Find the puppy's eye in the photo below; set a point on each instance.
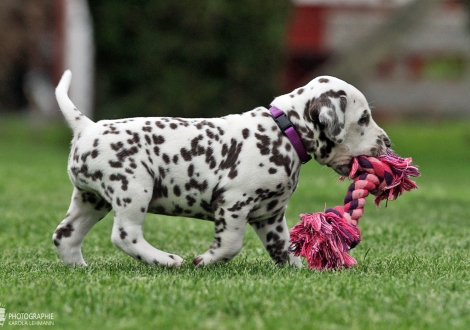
(364, 120)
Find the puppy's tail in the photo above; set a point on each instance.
(76, 120)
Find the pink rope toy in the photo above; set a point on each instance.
(324, 238)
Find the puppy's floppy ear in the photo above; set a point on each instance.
(331, 107)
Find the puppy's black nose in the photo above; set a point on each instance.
(387, 142)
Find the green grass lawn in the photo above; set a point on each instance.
(413, 272)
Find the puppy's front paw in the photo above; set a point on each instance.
(295, 261)
(198, 261)
(206, 259)
(171, 260)
(209, 258)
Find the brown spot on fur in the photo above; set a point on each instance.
(64, 231)
(123, 233)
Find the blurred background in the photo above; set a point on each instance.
(209, 58)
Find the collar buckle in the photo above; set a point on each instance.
(288, 129)
(283, 122)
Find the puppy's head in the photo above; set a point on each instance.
(335, 122)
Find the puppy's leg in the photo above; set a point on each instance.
(128, 236)
(86, 209)
(274, 235)
(228, 239)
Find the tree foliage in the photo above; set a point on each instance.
(187, 58)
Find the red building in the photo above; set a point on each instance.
(399, 66)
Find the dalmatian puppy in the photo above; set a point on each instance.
(235, 170)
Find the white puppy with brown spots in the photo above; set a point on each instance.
(234, 170)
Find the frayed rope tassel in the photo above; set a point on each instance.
(324, 238)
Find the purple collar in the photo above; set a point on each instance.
(288, 128)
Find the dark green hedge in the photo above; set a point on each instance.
(191, 58)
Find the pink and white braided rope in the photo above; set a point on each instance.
(324, 238)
